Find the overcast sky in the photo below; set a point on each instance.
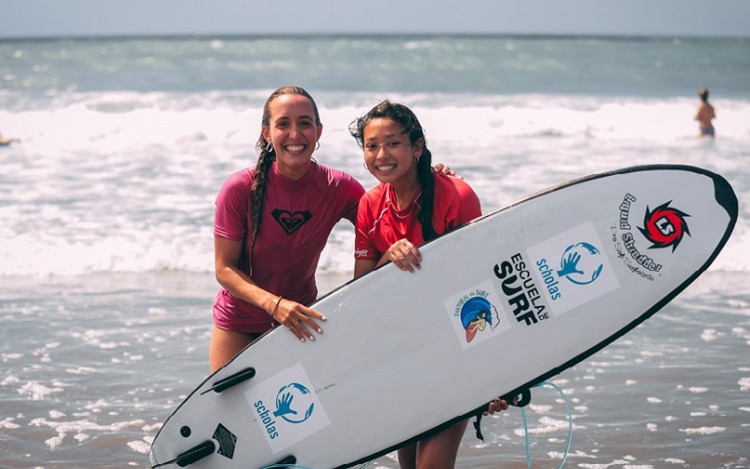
(54, 18)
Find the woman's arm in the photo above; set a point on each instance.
(362, 266)
(227, 254)
(296, 316)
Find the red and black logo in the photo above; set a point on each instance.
(665, 226)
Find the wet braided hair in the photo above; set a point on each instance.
(266, 157)
(411, 127)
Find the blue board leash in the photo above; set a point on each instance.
(570, 425)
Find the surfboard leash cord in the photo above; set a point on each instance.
(570, 425)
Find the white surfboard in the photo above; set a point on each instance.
(538, 286)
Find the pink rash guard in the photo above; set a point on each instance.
(298, 216)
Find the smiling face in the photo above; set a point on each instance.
(389, 155)
(293, 131)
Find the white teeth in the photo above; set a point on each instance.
(295, 147)
(386, 168)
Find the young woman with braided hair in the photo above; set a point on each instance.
(410, 206)
(270, 226)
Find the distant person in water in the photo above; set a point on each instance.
(7, 141)
(705, 115)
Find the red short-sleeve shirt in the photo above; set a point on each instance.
(380, 223)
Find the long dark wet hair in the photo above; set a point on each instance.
(266, 157)
(410, 126)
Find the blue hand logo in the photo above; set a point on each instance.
(570, 264)
(581, 263)
(285, 405)
(294, 403)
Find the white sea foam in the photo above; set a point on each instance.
(703, 430)
(9, 424)
(709, 335)
(139, 446)
(96, 160)
(63, 428)
(37, 391)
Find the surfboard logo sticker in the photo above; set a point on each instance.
(291, 400)
(665, 226)
(285, 408)
(572, 268)
(520, 290)
(581, 263)
(475, 316)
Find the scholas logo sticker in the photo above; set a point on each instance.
(572, 268)
(285, 408)
(265, 416)
(581, 263)
(294, 403)
(664, 226)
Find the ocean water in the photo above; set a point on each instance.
(106, 205)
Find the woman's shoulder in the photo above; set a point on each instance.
(452, 191)
(337, 177)
(332, 173)
(452, 183)
(241, 177)
(373, 197)
(377, 192)
(240, 181)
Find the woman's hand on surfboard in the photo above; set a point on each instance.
(298, 318)
(404, 255)
(496, 405)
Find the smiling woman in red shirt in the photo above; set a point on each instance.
(411, 205)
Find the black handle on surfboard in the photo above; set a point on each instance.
(197, 453)
(231, 380)
(192, 455)
(522, 398)
(286, 462)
